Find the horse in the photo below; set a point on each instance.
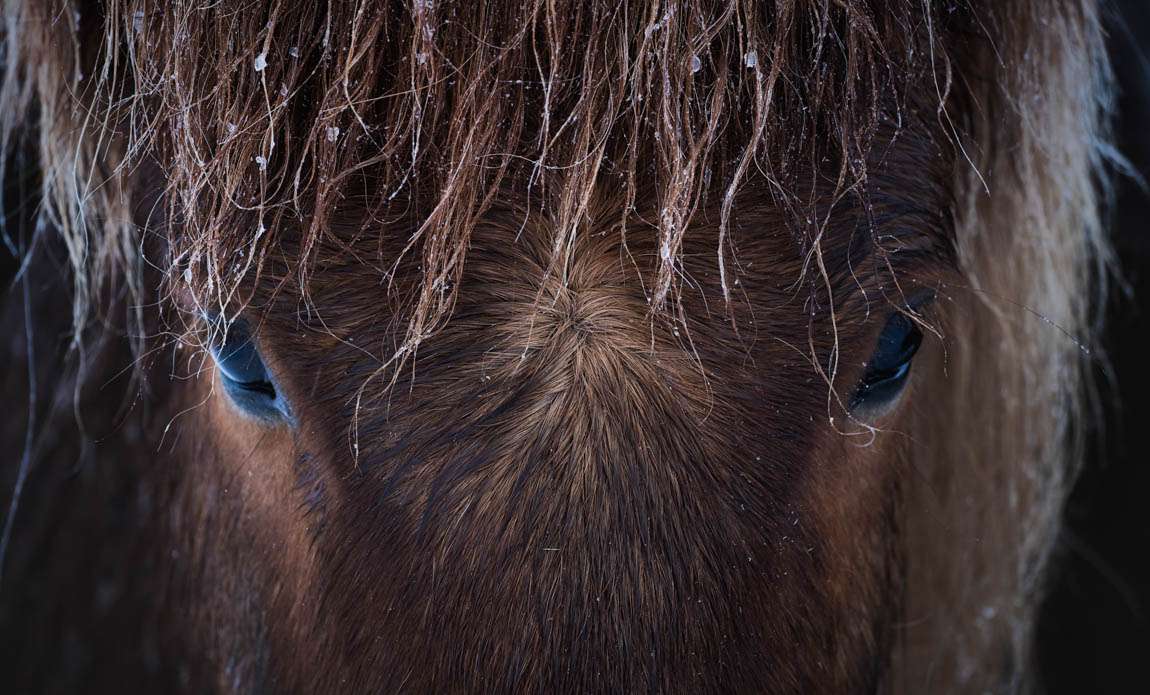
(543, 346)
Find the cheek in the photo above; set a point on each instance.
(853, 485)
(242, 526)
(853, 493)
(257, 457)
(269, 494)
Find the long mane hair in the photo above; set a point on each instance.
(257, 121)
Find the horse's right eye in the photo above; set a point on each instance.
(244, 375)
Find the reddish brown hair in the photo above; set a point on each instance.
(538, 152)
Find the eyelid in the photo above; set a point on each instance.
(917, 303)
(240, 361)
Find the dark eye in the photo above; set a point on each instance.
(888, 368)
(244, 376)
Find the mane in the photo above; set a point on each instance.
(273, 128)
(265, 125)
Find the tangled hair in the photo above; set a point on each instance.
(277, 129)
(265, 126)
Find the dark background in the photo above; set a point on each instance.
(1094, 630)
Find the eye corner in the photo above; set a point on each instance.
(267, 406)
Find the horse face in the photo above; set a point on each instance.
(545, 347)
(562, 489)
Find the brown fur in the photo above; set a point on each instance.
(568, 298)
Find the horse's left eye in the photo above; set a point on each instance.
(245, 377)
(888, 368)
